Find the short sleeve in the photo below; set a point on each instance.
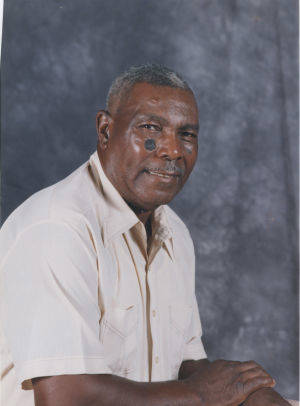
(193, 348)
(50, 308)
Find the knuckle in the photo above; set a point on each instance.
(241, 377)
(257, 370)
(231, 364)
(252, 363)
(240, 387)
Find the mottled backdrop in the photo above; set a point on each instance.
(240, 56)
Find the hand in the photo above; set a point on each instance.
(227, 383)
(265, 397)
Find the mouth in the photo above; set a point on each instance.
(163, 174)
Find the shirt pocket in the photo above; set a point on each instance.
(180, 315)
(118, 334)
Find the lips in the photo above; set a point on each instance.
(163, 174)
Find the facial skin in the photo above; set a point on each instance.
(146, 179)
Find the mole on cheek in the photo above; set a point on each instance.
(150, 144)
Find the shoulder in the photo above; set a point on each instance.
(180, 231)
(175, 222)
(61, 203)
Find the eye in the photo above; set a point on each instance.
(188, 136)
(151, 127)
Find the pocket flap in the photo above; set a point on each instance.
(122, 320)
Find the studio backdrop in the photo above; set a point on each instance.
(240, 57)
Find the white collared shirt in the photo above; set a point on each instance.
(81, 295)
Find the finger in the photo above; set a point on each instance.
(254, 384)
(244, 366)
(253, 373)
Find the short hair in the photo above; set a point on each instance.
(154, 74)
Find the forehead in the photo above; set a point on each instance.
(146, 98)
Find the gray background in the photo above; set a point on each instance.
(240, 56)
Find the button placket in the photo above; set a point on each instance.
(154, 322)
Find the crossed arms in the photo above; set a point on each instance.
(200, 383)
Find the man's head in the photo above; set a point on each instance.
(147, 137)
(156, 75)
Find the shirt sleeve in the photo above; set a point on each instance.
(193, 348)
(50, 305)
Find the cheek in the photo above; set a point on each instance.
(190, 148)
(136, 145)
(190, 158)
(133, 157)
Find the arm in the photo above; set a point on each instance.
(267, 397)
(219, 383)
(109, 390)
(188, 367)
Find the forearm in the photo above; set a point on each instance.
(267, 396)
(111, 390)
(130, 393)
(211, 384)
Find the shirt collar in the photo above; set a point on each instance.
(162, 231)
(118, 217)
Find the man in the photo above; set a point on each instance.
(99, 303)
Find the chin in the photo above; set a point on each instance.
(153, 203)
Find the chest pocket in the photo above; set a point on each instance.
(180, 315)
(118, 334)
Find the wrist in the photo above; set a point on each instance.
(192, 394)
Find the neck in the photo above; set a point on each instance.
(145, 217)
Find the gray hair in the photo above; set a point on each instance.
(150, 73)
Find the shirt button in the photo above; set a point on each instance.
(157, 360)
(153, 313)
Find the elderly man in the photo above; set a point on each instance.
(98, 295)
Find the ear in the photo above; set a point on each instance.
(103, 121)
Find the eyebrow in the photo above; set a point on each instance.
(162, 120)
(194, 127)
(154, 118)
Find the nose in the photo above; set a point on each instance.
(169, 147)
